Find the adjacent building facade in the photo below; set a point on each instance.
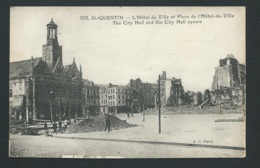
(116, 98)
(92, 98)
(103, 92)
(147, 92)
(149, 95)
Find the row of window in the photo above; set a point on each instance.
(119, 97)
(118, 90)
(111, 97)
(112, 103)
(93, 102)
(92, 93)
(103, 101)
(103, 96)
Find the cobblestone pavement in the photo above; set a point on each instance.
(199, 130)
(46, 147)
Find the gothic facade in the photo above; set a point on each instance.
(43, 88)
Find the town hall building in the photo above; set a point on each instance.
(43, 88)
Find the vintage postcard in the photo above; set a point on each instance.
(127, 82)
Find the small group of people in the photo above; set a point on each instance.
(55, 126)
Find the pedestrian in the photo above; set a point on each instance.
(108, 124)
(65, 124)
(46, 128)
(55, 127)
(60, 125)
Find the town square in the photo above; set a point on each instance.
(92, 87)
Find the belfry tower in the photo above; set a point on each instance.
(52, 51)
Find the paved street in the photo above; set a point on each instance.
(175, 129)
(41, 146)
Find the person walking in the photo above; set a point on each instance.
(65, 124)
(55, 127)
(60, 125)
(108, 124)
(46, 128)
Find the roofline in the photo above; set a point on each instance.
(27, 60)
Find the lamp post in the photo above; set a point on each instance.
(51, 93)
(159, 104)
(143, 100)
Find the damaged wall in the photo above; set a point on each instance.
(229, 73)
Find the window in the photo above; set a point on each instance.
(118, 102)
(119, 96)
(113, 96)
(123, 96)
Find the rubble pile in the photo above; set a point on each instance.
(189, 109)
(97, 123)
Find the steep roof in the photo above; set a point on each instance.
(20, 69)
(230, 56)
(67, 68)
(72, 70)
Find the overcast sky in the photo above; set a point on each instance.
(115, 54)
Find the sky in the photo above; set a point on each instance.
(115, 54)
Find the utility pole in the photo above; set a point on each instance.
(143, 114)
(159, 104)
(143, 97)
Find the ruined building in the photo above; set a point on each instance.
(229, 74)
(42, 88)
(171, 90)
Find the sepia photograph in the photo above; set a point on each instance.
(127, 82)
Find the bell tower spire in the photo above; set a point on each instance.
(52, 37)
(52, 51)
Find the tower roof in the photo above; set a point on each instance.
(52, 23)
(230, 56)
